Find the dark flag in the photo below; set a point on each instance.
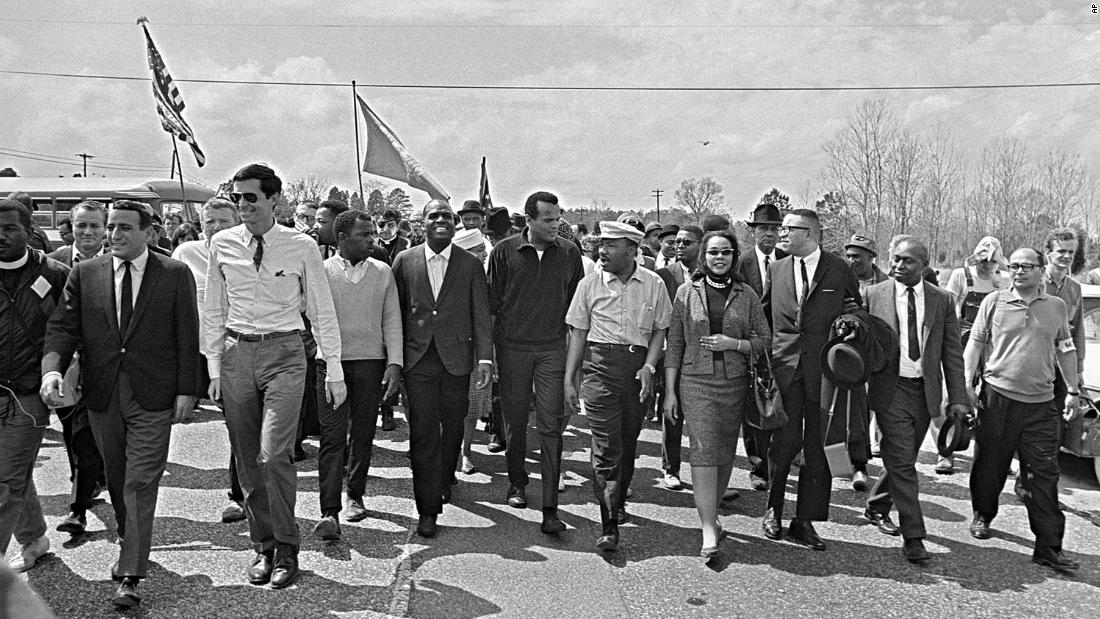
(169, 102)
(387, 156)
(483, 189)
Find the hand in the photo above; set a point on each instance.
(718, 342)
(52, 391)
(671, 408)
(961, 410)
(850, 305)
(214, 391)
(185, 405)
(335, 393)
(391, 380)
(972, 394)
(1073, 408)
(484, 375)
(644, 376)
(572, 394)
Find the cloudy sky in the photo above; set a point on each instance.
(584, 145)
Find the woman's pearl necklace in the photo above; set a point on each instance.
(715, 284)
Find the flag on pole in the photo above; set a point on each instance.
(483, 189)
(169, 102)
(387, 156)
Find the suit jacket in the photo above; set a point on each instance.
(458, 320)
(673, 277)
(749, 268)
(799, 333)
(941, 358)
(160, 349)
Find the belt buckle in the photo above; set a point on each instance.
(630, 348)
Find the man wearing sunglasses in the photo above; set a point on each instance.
(260, 277)
(1023, 335)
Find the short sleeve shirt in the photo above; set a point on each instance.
(616, 313)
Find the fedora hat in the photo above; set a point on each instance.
(766, 215)
(843, 365)
(955, 435)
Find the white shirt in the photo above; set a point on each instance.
(137, 273)
(354, 272)
(908, 368)
(811, 268)
(760, 256)
(437, 266)
(661, 262)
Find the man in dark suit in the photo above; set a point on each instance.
(924, 318)
(445, 306)
(753, 268)
(140, 371)
(806, 292)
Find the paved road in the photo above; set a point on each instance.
(492, 560)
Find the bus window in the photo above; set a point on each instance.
(64, 205)
(43, 213)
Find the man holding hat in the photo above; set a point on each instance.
(667, 240)
(861, 253)
(619, 316)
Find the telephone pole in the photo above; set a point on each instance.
(85, 157)
(657, 194)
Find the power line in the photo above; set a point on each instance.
(901, 87)
(63, 159)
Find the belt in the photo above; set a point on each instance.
(259, 337)
(911, 380)
(630, 348)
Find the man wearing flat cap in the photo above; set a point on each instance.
(619, 316)
(861, 252)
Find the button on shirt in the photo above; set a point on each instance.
(437, 266)
(290, 279)
(137, 272)
(907, 367)
(616, 313)
(811, 268)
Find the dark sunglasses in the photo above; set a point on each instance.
(720, 252)
(248, 197)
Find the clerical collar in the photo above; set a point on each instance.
(15, 264)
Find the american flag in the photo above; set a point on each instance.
(169, 102)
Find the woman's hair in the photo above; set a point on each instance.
(702, 262)
(185, 232)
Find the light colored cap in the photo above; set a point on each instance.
(989, 248)
(863, 242)
(616, 230)
(469, 239)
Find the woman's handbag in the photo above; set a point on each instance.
(768, 414)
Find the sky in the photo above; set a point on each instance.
(582, 145)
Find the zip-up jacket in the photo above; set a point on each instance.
(23, 316)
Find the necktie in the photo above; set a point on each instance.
(126, 300)
(914, 338)
(258, 256)
(805, 282)
(767, 261)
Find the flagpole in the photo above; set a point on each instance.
(358, 165)
(179, 167)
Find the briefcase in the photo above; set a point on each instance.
(836, 454)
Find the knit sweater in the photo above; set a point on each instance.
(368, 311)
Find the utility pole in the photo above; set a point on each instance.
(657, 194)
(85, 157)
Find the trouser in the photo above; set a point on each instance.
(615, 416)
(903, 426)
(236, 494)
(803, 432)
(1032, 430)
(85, 461)
(519, 371)
(757, 441)
(347, 432)
(672, 434)
(134, 444)
(20, 439)
(437, 405)
(262, 384)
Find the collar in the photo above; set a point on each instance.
(16, 264)
(918, 288)
(137, 264)
(446, 253)
(761, 255)
(525, 242)
(812, 258)
(344, 262)
(1013, 295)
(77, 256)
(608, 275)
(276, 228)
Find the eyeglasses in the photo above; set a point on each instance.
(684, 242)
(248, 197)
(720, 252)
(1023, 267)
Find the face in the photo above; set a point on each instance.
(719, 255)
(417, 226)
(439, 222)
(766, 236)
(687, 247)
(387, 230)
(171, 224)
(305, 215)
(258, 212)
(652, 241)
(1061, 253)
(668, 246)
(592, 248)
(1023, 266)
(617, 255)
(908, 263)
(66, 232)
(472, 221)
(544, 227)
(357, 244)
(479, 252)
(799, 234)
(325, 219)
(127, 239)
(13, 237)
(215, 220)
(88, 231)
(860, 260)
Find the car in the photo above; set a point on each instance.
(1082, 437)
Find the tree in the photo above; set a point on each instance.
(700, 196)
(375, 202)
(777, 199)
(8, 172)
(399, 201)
(338, 194)
(356, 201)
(312, 188)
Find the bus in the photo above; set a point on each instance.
(54, 197)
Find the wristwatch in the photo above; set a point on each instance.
(649, 366)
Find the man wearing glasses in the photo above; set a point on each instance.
(1023, 336)
(305, 216)
(260, 277)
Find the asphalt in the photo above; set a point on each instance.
(491, 560)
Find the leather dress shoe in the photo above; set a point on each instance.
(426, 527)
(802, 531)
(773, 527)
(328, 529)
(260, 572)
(234, 512)
(73, 524)
(126, 596)
(285, 571)
(517, 498)
(496, 444)
(859, 481)
(1055, 559)
(551, 524)
(914, 552)
(356, 511)
(709, 552)
(609, 541)
(979, 528)
(882, 521)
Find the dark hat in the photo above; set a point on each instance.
(766, 215)
(498, 221)
(471, 206)
(519, 220)
(652, 227)
(390, 215)
(670, 229)
(843, 365)
(955, 434)
(863, 242)
(715, 222)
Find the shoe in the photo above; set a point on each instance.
(328, 529)
(772, 525)
(802, 531)
(285, 571)
(388, 424)
(356, 511)
(758, 483)
(608, 541)
(426, 527)
(882, 521)
(945, 465)
(621, 516)
(731, 494)
(126, 596)
(914, 552)
(448, 490)
(496, 444)
(859, 481)
(73, 524)
(30, 554)
(551, 524)
(115, 576)
(260, 572)
(1055, 560)
(979, 528)
(672, 482)
(517, 498)
(467, 467)
(709, 552)
(234, 512)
